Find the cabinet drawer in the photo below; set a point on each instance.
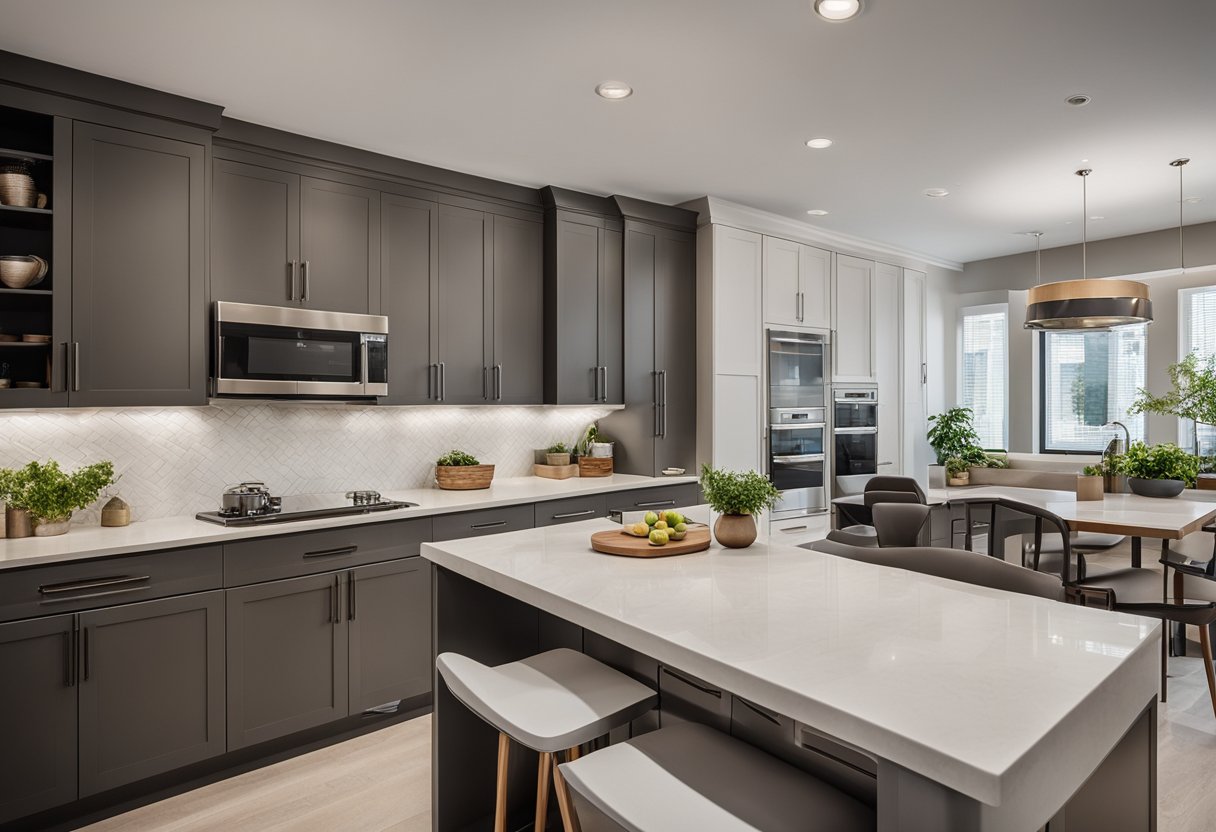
(485, 521)
(797, 531)
(80, 585)
(571, 510)
(658, 498)
(291, 555)
(683, 697)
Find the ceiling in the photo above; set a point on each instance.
(966, 95)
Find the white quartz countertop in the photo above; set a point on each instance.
(1008, 699)
(176, 532)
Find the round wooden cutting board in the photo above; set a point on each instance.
(617, 542)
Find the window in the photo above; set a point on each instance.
(984, 370)
(1089, 379)
(1197, 333)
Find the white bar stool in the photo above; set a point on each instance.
(689, 776)
(551, 702)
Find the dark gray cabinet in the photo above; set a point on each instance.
(286, 657)
(138, 316)
(657, 429)
(464, 253)
(584, 350)
(280, 238)
(409, 296)
(484, 521)
(571, 509)
(516, 360)
(151, 688)
(389, 613)
(37, 715)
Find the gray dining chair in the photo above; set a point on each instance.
(895, 524)
(885, 488)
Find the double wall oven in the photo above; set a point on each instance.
(797, 431)
(855, 437)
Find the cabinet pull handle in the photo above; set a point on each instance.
(68, 679)
(431, 371)
(333, 601)
(67, 364)
(304, 281)
(350, 597)
(88, 654)
(484, 371)
(662, 402)
(655, 503)
(568, 514)
(792, 529)
(657, 402)
(798, 306)
(493, 525)
(443, 381)
(77, 586)
(603, 384)
(758, 711)
(75, 366)
(330, 553)
(292, 268)
(595, 384)
(681, 677)
(497, 382)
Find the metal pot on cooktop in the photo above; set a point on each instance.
(248, 499)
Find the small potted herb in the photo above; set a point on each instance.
(558, 454)
(49, 495)
(1090, 482)
(459, 471)
(737, 497)
(594, 453)
(958, 471)
(1160, 470)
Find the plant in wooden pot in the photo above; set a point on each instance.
(950, 435)
(1090, 482)
(558, 454)
(1158, 471)
(594, 453)
(737, 497)
(459, 471)
(50, 495)
(958, 471)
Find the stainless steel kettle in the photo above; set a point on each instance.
(246, 499)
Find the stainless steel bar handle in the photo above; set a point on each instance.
(88, 654)
(75, 366)
(304, 280)
(363, 361)
(782, 459)
(98, 583)
(798, 306)
(595, 384)
(484, 371)
(498, 382)
(443, 381)
(69, 679)
(657, 402)
(568, 514)
(292, 268)
(333, 601)
(350, 596)
(663, 401)
(67, 364)
(495, 525)
(855, 430)
(430, 381)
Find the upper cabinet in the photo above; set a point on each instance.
(138, 315)
(409, 296)
(887, 323)
(279, 238)
(516, 348)
(583, 299)
(852, 320)
(797, 284)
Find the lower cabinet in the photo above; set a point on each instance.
(151, 688)
(37, 716)
(311, 650)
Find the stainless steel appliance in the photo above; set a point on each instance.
(798, 463)
(286, 352)
(250, 504)
(855, 438)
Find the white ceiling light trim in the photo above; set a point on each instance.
(819, 143)
(936, 193)
(837, 10)
(817, 212)
(613, 90)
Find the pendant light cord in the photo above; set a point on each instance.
(1178, 163)
(1084, 174)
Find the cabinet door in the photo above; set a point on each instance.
(576, 351)
(37, 716)
(519, 334)
(255, 234)
(389, 610)
(853, 347)
(636, 428)
(464, 246)
(888, 281)
(339, 246)
(138, 317)
(409, 295)
(287, 657)
(916, 452)
(152, 688)
(780, 276)
(815, 284)
(610, 318)
(675, 350)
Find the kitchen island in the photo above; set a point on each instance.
(970, 708)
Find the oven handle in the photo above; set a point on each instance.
(785, 459)
(363, 362)
(803, 426)
(856, 430)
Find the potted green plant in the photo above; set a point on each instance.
(1192, 395)
(460, 471)
(594, 453)
(558, 454)
(50, 495)
(958, 471)
(951, 434)
(1158, 471)
(1090, 483)
(737, 497)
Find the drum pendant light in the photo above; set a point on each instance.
(1087, 304)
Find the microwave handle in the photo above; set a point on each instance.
(363, 362)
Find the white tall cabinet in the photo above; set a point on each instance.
(886, 323)
(797, 282)
(852, 321)
(914, 377)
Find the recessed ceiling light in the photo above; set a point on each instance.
(614, 90)
(1193, 200)
(817, 212)
(837, 10)
(1078, 100)
(819, 143)
(936, 192)
(1097, 218)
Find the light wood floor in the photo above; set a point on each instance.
(382, 781)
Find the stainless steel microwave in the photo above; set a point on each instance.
(293, 353)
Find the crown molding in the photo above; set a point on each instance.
(716, 211)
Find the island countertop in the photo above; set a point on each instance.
(1007, 699)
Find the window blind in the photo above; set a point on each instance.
(983, 372)
(1198, 335)
(1089, 379)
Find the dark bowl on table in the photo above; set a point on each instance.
(1155, 488)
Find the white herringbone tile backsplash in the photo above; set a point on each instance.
(178, 460)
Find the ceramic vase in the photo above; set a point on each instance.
(48, 528)
(735, 531)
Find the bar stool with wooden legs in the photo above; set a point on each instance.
(552, 702)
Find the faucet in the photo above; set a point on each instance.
(1114, 443)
